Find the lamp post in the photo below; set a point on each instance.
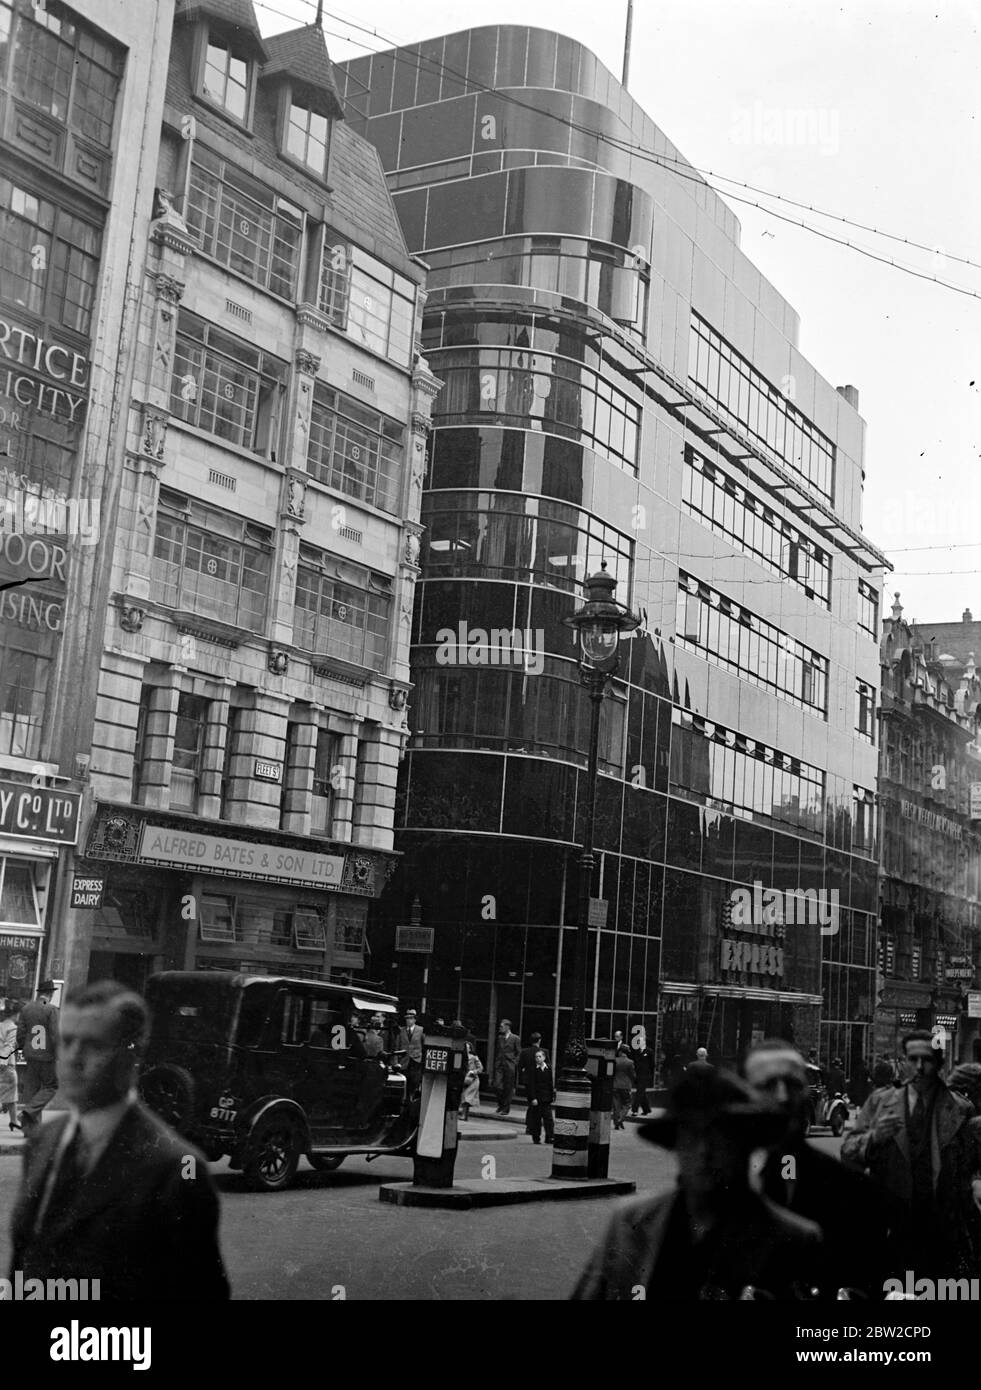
(599, 623)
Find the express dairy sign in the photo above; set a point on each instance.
(38, 813)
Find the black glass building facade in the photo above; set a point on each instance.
(621, 385)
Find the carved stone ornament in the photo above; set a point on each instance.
(170, 288)
(131, 618)
(296, 491)
(412, 547)
(397, 698)
(279, 663)
(154, 433)
(307, 362)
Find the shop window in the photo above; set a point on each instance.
(18, 900)
(355, 450)
(243, 224)
(211, 562)
(226, 387)
(216, 918)
(308, 930)
(227, 78)
(307, 133)
(192, 723)
(325, 775)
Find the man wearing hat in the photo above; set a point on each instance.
(37, 1038)
(714, 1237)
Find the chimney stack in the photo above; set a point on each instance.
(966, 616)
(850, 394)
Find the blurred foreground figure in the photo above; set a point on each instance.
(109, 1191)
(797, 1176)
(714, 1238)
(922, 1143)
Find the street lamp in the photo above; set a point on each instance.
(599, 624)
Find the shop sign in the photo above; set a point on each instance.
(931, 819)
(959, 972)
(974, 1003)
(38, 813)
(87, 892)
(975, 801)
(213, 854)
(61, 395)
(18, 943)
(598, 910)
(418, 939)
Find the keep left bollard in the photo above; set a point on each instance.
(444, 1057)
(601, 1054)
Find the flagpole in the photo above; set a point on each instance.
(627, 41)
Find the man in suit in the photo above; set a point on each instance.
(714, 1237)
(801, 1179)
(643, 1059)
(540, 1090)
(37, 1038)
(506, 1066)
(920, 1142)
(409, 1051)
(109, 1192)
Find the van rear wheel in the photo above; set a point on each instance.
(324, 1163)
(273, 1154)
(169, 1092)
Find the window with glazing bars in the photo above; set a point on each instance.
(326, 772)
(307, 134)
(721, 503)
(24, 679)
(865, 711)
(57, 64)
(185, 774)
(863, 820)
(226, 77)
(715, 766)
(362, 297)
(244, 225)
(732, 636)
(355, 449)
(343, 612)
(211, 563)
(50, 258)
(742, 392)
(226, 387)
(868, 609)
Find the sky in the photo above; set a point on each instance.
(867, 110)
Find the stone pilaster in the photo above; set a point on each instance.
(299, 769)
(375, 791)
(213, 754)
(158, 742)
(262, 734)
(347, 762)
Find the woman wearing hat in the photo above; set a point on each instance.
(8, 1069)
(713, 1237)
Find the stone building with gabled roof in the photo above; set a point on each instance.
(929, 947)
(254, 678)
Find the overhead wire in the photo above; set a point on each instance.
(673, 163)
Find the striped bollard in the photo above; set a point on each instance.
(600, 1120)
(570, 1149)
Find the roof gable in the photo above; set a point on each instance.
(301, 55)
(234, 17)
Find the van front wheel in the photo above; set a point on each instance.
(273, 1154)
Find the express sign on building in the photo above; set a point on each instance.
(39, 813)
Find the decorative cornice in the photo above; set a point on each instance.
(309, 316)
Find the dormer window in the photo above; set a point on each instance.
(307, 137)
(227, 77)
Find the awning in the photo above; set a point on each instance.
(376, 1006)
